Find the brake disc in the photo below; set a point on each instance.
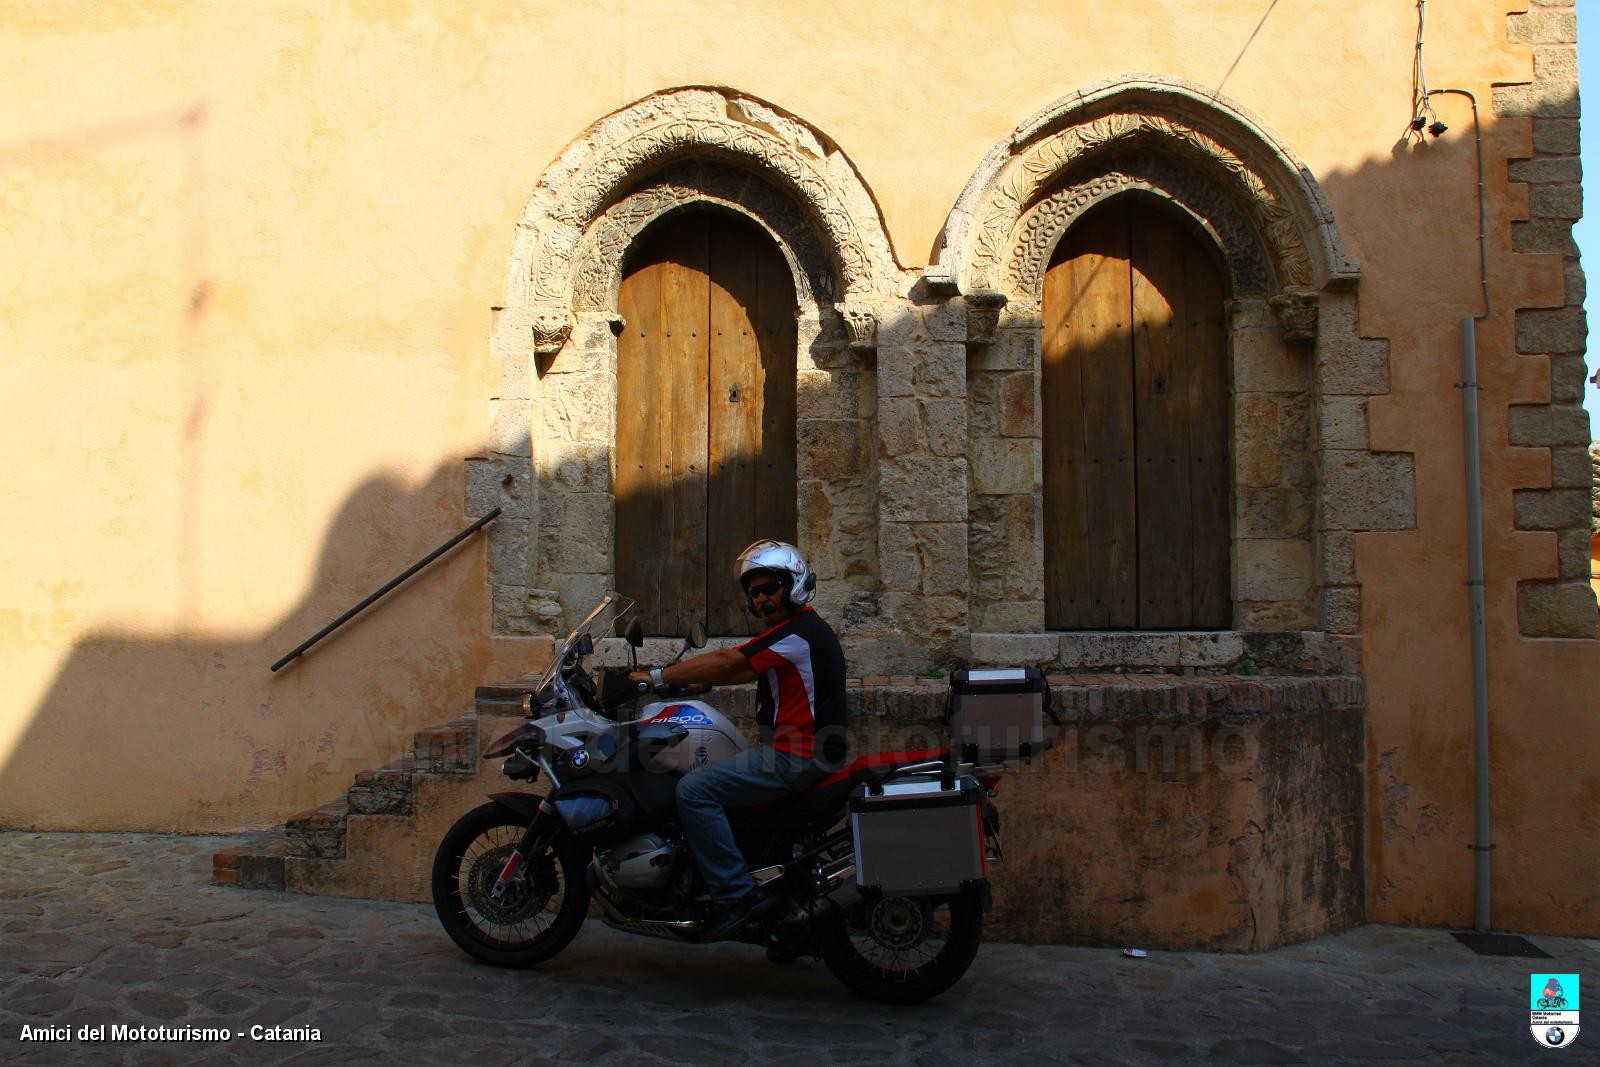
(898, 923)
(526, 894)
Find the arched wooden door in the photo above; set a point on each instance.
(1135, 393)
(705, 416)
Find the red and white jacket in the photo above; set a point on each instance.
(800, 692)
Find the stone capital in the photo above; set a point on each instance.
(1296, 311)
(551, 328)
(861, 325)
(983, 315)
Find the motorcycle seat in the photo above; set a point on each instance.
(868, 767)
(823, 799)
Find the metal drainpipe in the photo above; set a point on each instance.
(1481, 846)
(1480, 650)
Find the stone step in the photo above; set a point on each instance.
(318, 833)
(257, 863)
(510, 698)
(448, 749)
(1202, 652)
(385, 791)
(451, 748)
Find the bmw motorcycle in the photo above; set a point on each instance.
(513, 880)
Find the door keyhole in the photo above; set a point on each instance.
(1161, 384)
(733, 393)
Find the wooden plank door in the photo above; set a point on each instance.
(662, 426)
(705, 417)
(1090, 509)
(751, 398)
(1136, 426)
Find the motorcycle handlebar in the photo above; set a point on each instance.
(668, 691)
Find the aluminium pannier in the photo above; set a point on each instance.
(915, 837)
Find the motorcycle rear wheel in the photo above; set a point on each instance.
(904, 950)
(539, 915)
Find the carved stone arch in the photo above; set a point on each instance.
(1171, 117)
(1289, 318)
(551, 468)
(598, 259)
(1205, 204)
(726, 133)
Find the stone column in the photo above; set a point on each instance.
(1006, 546)
(1274, 476)
(503, 478)
(835, 407)
(922, 484)
(573, 418)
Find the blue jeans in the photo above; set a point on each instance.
(751, 777)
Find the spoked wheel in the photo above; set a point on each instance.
(534, 916)
(904, 949)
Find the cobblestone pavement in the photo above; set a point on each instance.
(122, 929)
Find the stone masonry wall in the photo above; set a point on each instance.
(835, 431)
(1274, 475)
(922, 481)
(1007, 536)
(1562, 605)
(1362, 490)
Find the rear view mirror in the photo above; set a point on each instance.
(697, 635)
(634, 634)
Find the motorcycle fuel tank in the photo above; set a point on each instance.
(712, 735)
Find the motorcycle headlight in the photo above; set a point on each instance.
(525, 735)
(520, 768)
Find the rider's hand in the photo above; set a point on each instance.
(639, 676)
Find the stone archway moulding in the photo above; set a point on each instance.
(597, 262)
(1145, 116)
(1204, 203)
(569, 244)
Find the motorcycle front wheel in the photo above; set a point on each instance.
(902, 950)
(539, 912)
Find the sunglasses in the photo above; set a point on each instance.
(764, 589)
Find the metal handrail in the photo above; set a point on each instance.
(375, 597)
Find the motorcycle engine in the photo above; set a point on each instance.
(642, 862)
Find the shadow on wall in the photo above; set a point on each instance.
(194, 734)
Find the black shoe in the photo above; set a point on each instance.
(783, 953)
(736, 917)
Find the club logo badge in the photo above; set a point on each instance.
(1553, 1009)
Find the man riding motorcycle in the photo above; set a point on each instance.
(800, 695)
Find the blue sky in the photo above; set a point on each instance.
(1587, 231)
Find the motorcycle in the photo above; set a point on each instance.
(512, 880)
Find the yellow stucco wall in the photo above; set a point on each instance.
(247, 276)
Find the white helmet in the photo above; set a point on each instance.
(784, 558)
